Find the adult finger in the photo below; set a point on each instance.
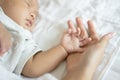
(5, 46)
(2, 49)
(80, 50)
(82, 28)
(105, 39)
(92, 31)
(85, 42)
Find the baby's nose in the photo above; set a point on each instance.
(33, 16)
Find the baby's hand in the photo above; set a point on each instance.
(74, 38)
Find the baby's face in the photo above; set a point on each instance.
(23, 12)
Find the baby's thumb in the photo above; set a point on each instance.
(105, 39)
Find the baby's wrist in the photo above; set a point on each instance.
(64, 50)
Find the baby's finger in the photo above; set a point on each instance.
(78, 32)
(71, 26)
(69, 31)
(85, 42)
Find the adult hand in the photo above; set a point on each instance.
(93, 53)
(95, 50)
(5, 40)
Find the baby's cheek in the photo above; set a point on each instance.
(31, 28)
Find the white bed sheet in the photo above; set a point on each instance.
(104, 13)
(54, 15)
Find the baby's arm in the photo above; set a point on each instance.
(44, 62)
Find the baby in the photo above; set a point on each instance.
(32, 63)
(18, 16)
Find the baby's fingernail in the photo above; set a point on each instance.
(113, 34)
(90, 39)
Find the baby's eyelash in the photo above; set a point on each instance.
(27, 4)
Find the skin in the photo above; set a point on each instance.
(23, 12)
(81, 66)
(27, 9)
(36, 65)
(5, 40)
(77, 41)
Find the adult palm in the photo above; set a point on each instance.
(93, 51)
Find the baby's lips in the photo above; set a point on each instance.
(29, 22)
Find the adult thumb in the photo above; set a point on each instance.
(105, 39)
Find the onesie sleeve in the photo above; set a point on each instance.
(30, 50)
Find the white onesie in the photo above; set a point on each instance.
(23, 46)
